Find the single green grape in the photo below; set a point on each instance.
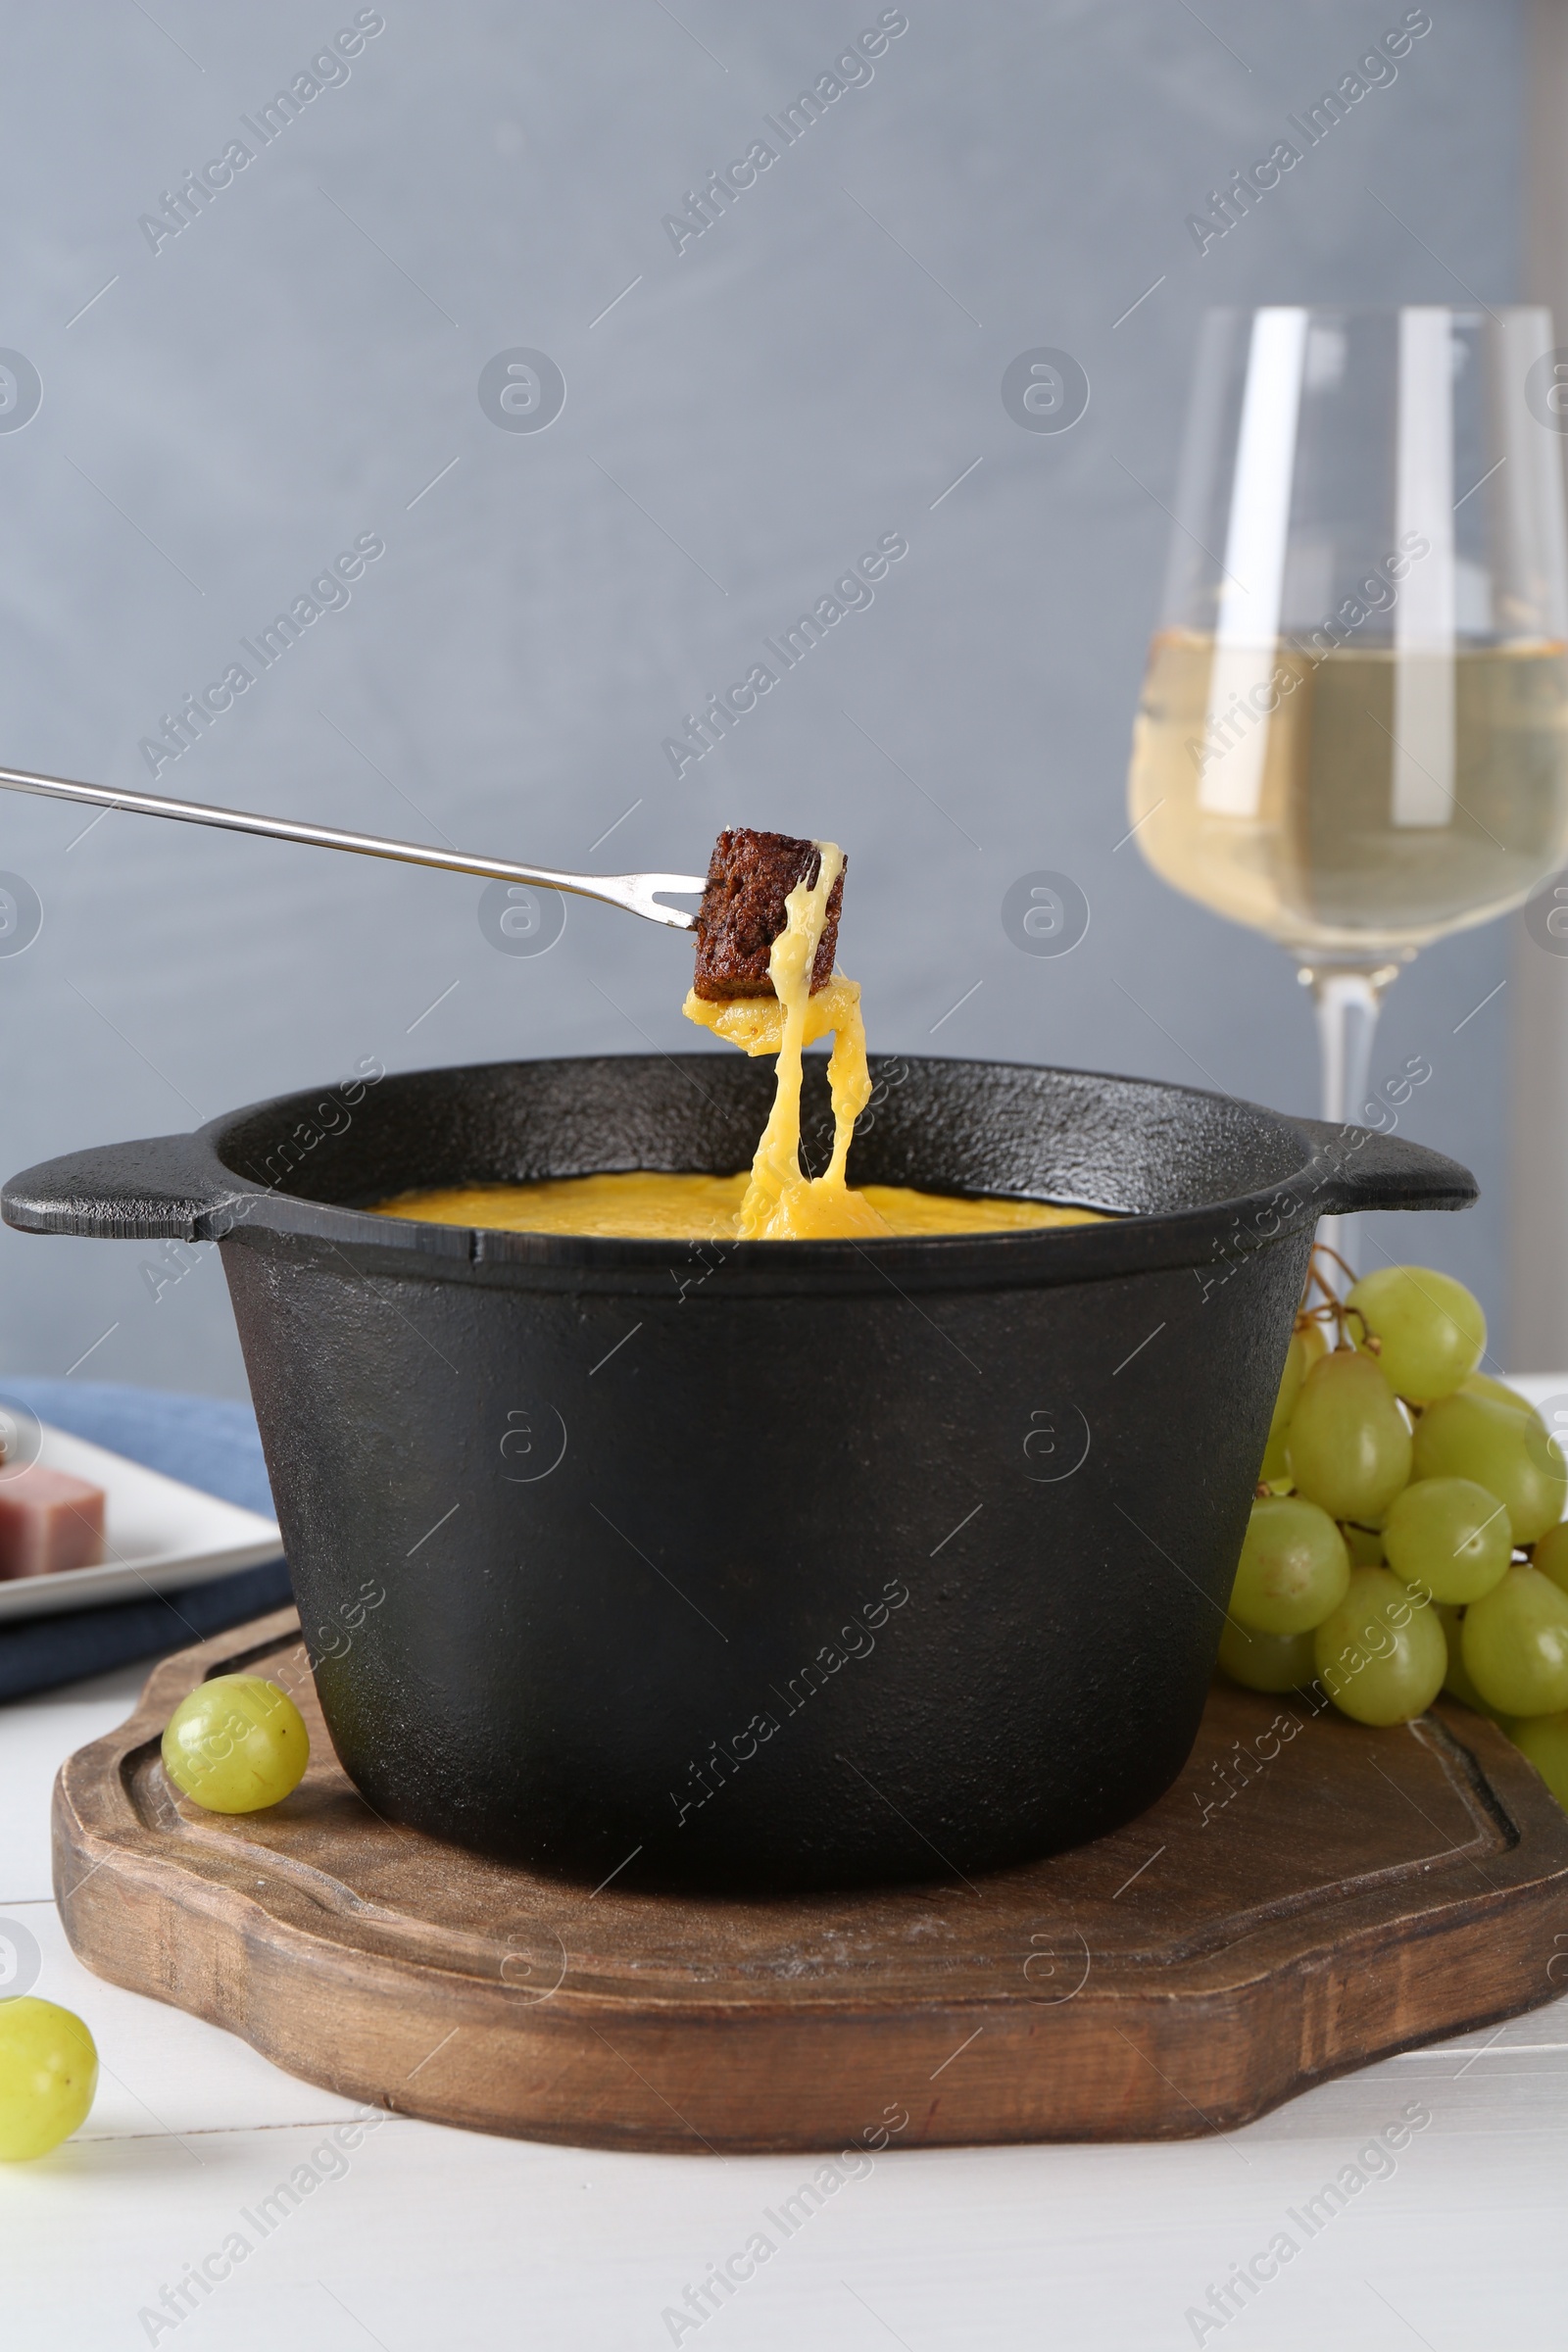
(1349, 1449)
(1307, 1344)
(1364, 1546)
(1515, 1645)
(1382, 1656)
(1314, 1338)
(1276, 1470)
(1266, 1661)
(48, 2076)
(237, 1744)
(1289, 1389)
(1451, 1537)
(1482, 1384)
(1551, 1554)
(1466, 1435)
(1456, 1681)
(1293, 1570)
(1428, 1328)
(1544, 1738)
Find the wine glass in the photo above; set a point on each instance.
(1354, 727)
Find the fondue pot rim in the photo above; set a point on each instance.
(190, 1188)
(185, 1187)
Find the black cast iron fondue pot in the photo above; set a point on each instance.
(757, 1565)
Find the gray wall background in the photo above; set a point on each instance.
(296, 367)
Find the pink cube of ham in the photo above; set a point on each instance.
(48, 1521)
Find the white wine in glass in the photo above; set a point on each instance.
(1354, 728)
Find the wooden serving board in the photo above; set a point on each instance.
(1309, 1898)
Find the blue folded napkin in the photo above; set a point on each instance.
(205, 1441)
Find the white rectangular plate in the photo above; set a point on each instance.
(160, 1535)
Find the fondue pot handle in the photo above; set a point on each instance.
(1355, 1168)
(163, 1188)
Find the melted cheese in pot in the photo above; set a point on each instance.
(648, 1206)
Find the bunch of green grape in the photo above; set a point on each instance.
(1408, 1535)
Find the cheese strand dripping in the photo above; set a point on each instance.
(781, 1202)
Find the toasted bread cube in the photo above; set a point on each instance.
(748, 878)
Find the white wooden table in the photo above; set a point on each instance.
(421, 2238)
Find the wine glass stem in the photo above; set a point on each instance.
(1348, 1000)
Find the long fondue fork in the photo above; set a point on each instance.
(635, 894)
